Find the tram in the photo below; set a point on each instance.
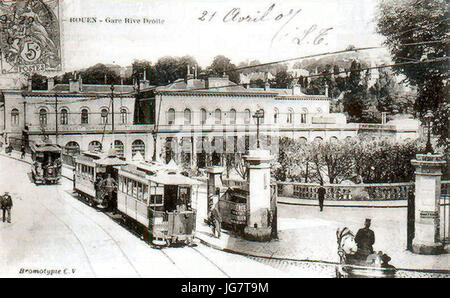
(156, 200)
(46, 167)
(95, 176)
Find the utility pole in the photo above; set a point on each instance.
(56, 118)
(112, 107)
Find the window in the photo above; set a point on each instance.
(303, 115)
(64, 118)
(43, 117)
(203, 116)
(72, 148)
(104, 116)
(15, 117)
(123, 116)
(187, 117)
(247, 116)
(138, 146)
(261, 120)
(119, 148)
(232, 116)
(218, 116)
(95, 146)
(84, 116)
(275, 116)
(171, 117)
(290, 116)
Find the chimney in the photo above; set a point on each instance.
(50, 84)
(266, 86)
(30, 84)
(74, 85)
(189, 76)
(196, 71)
(326, 90)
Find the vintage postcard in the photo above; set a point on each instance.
(224, 139)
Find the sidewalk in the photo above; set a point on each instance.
(314, 240)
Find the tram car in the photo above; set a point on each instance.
(156, 200)
(46, 167)
(95, 179)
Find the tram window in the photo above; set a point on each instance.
(130, 188)
(170, 197)
(156, 199)
(120, 184)
(145, 191)
(139, 194)
(134, 189)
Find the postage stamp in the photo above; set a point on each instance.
(30, 39)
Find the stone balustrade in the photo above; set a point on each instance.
(339, 192)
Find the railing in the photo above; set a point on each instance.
(338, 192)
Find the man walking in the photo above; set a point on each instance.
(365, 238)
(6, 206)
(22, 150)
(321, 195)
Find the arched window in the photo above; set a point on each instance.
(171, 117)
(72, 148)
(95, 146)
(123, 116)
(64, 118)
(203, 116)
(334, 139)
(14, 117)
(247, 116)
(303, 115)
(84, 116)
(275, 116)
(187, 116)
(318, 139)
(218, 116)
(104, 115)
(232, 116)
(43, 117)
(302, 141)
(138, 146)
(290, 116)
(119, 148)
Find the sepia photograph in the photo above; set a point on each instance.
(224, 143)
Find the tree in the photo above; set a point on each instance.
(222, 65)
(416, 30)
(355, 99)
(100, 74)
(282, 79)
(38, 82)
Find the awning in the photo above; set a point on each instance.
(45, 148)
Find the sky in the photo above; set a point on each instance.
(278, 29)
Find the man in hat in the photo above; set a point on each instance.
(364, 239)
(6, 206)
(321, 195)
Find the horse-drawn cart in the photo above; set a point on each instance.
(351, 265)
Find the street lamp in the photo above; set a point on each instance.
(258, 115)
(428, 119)
(112, 107)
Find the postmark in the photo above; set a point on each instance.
(30, 36)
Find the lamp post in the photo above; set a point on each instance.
(428, 119)
(258, 115)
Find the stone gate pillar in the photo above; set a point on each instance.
(258, 203)
(428, 192)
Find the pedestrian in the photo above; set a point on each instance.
(6, 206)
(365, 238)
(216, 220)
(22, 150)
(321, 195)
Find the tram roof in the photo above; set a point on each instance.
(43, 147)
(173, 179)
(110, 161)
